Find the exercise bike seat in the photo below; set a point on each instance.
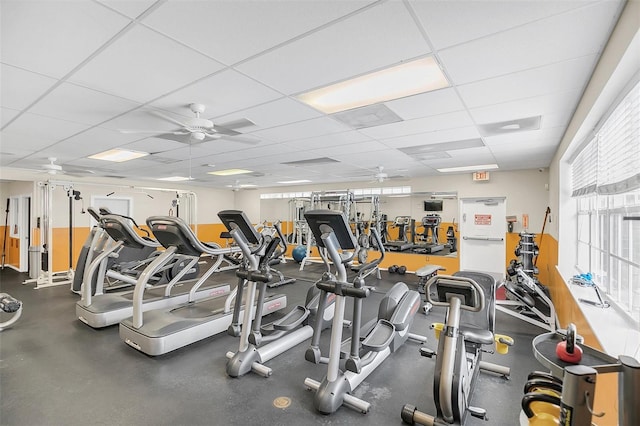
(479, 336)
(380, 337)
(292, 320)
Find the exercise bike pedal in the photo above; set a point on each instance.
(429, 353)
(478, 412)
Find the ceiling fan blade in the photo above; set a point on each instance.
(225, 130)
(168, 118)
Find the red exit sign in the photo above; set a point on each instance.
(480, 176)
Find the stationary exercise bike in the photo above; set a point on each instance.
(395, 316)
(260, 343)
(459, 356)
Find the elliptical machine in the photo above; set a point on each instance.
(459, 358)
(260, 343)
(384, 336)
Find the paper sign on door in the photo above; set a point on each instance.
(482, 219)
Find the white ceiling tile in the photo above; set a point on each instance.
(96, 140)
(426, 104)
(20, 88)
(350, 149)
(331, 140)
(230, 31)
(528, 107)
(452, 22)
(154, 145)
(549, 137)
(222, 93)
(375, 38)
(143, 65)
(420, 125)
(518, 49)
(37, 131)
(6, 115)
(457, 134)
(131, 8)
(275, 113)
(302, 130)
(562, 76)
(53, 37)
(75, 103)
(142, 119)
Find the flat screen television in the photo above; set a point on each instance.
(433, 206)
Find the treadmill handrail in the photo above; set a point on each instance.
(127, 226)
(208, 248)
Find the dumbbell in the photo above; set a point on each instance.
(393, 269)
(402, 270)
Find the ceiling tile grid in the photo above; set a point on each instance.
(74, 75)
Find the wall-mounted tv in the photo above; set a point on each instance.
(433, 206)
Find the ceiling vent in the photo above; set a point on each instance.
(439, 150)
(311, 161)
(368, 116)
(161, 160)
(510, 126)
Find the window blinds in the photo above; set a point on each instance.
(610, 162)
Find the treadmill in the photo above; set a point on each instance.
(108, 309)
(156, 332)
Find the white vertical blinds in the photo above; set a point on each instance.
(583, 170)
(610, 162)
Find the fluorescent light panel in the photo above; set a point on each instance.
(118, 155)
(230, 172)
(295, 181)
(468, 168)
(175, 178)
(411, 78)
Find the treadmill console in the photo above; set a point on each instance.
(233, 219)
(322, 221)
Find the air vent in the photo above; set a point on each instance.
(115, 176)
(368, 116)
(502, 127)
(438, 150)
(161, 160)
(320, 160)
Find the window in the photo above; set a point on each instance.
(606, 184)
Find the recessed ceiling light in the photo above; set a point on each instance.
(295, 181)
(175, 178)
(410, 78)
(118, 155)
(229, 172)
(468, 168)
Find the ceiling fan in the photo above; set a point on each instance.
(197, 129)
(237, 186)
(52, 168)
(380, 176)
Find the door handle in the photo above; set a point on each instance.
(484, 238)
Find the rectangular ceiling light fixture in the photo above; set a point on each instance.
(230, 172)
(295, 181)
(410, 78)
(468, 168)
(118, 155)
(175, 179)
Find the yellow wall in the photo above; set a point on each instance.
(569, 312)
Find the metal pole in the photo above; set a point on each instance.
(6, 224)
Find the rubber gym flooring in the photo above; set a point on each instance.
(55, 370)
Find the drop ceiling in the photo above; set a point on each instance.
(75, 73)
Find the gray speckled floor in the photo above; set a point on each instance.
(55, 370)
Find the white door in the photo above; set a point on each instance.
(483, 230)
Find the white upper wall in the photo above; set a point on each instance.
(525, 190)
